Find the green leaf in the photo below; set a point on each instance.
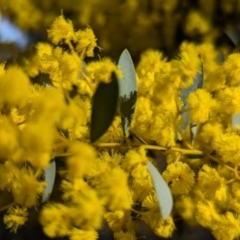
(163, 192)
(49, 175)
(127, 90)
(104, 107)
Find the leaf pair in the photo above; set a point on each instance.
(106, 99)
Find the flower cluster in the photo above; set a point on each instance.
(109, 179)
(157, 23)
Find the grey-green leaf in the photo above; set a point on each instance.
(163, 192)
(104, 107)
(127, 90)
(49, 175)
(236, 121)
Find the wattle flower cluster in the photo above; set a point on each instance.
(186, 113)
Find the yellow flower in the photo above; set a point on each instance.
(232, 69)
(106, 179)
(142, 117)
(227, 227)
(76, 234)
(125, 235)
(73, 188)
(81, 160)
(211, 184)
(9, 175)
(9, 139)
(88, 209)
(206, 213)
(115, 158)
(180, 177)
(189, 64)
(115, 220)
(135, 162)
(14, 88)
(235, 188)
(86, 41)
(27, 189)
(185, 207)
(162, 228)
(227, 146)
(141, 188)
(201, 104)
(15, 218)
(163, 128)
(37, 140)
(215, 80)
(150, 63)
(195, 23)
(55, 219)
(100, 71)
(229, 100)
(165, 228)
(208, 133)
(60, 30)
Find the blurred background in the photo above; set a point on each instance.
(133, 24)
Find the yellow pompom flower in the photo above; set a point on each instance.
(9, 139)
(235, 188)
(165, 228)
(141, 122)
(115, 220)
(196, 23)
(88, 209)
(188, 65)
(227, 146)
(141, 188)
(55, 219)
(206, 213)
(37, 140)
(14, 88)
(61, 30)
(150, 63)
(15, 217)
(73, 188)
(211, 184)
(86, 42)
(100, 71)
(27, 189)
(162, 228)
(201, 104)
(124, 235)
(227, 227)
(76, 234)
(208, 133)
(232, 69)
(215, 80)
(229, 100)
(135, 162)
(81, 160)
(185, 207)
(9, 175)
(106, 178)
(180, 177)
